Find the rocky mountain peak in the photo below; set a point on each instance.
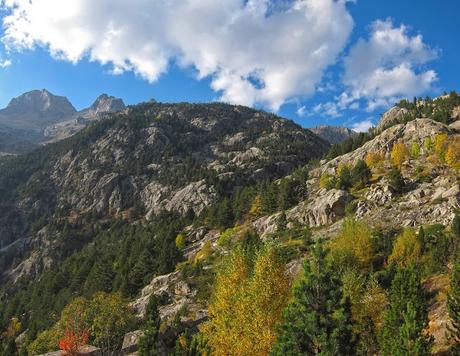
(106, 103)
(333, 134)
(40, 101)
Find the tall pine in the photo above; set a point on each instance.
(403, 331)
(453, 304)
(318, 320)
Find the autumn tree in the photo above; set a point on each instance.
(415, 150)
(249, 297)
(180, 241)
(453, 154)
(399, 154)
(353, 246)
(407, 249)
(318, 319)
(373, 159)
(440, 145)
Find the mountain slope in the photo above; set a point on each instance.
(149, 158)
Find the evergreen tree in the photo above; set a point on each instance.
(360, 174)
(100, 278)
(148, 343)
(456, 226)
(396, 180)
(317, 321)
(407, 317)
(453, 303)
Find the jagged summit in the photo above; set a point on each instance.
(333, 134)
(39, 116)
(107, 103)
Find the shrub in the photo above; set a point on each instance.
(326, 181)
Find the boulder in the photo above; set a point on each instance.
(131, 342)
(326, 208)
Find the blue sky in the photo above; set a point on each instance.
(313, 61)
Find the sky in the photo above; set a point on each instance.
(333, 62)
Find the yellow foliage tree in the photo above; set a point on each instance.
(415, 150)
(256, 206)
(247, 304)
(440, 145)
(180, 241)
(406, 250)
(353, 246)
(373, 159)
(399, 153)
(453, 154)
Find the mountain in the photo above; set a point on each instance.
(178, 157)
(154, 199)
(35, 110)
(333, 134)
(104, 104)
(39, 116)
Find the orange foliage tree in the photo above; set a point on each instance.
(75, 336)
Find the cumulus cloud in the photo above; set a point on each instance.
(362, 126)
(386, 66)
(263, 52)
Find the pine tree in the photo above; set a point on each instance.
(456, 226)
(148, 343)
(453, 303)
(407, 317)
(317, 321)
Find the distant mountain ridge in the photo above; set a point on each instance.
(333, 134)
(35, 117)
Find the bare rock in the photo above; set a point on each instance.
(390, 118)
(326, 208)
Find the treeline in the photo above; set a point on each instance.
(439, 109)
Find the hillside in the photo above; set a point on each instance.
(202, 214)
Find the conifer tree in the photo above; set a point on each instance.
(453, 304)
(407, 317)
(317, 321)
(148, 343)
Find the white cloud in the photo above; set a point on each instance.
(386, 66)
(4, 63)
(362, 126)
(263, 52)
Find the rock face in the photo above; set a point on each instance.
(326, 208)
(333, 134)
(103, 105)
(390, 118)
